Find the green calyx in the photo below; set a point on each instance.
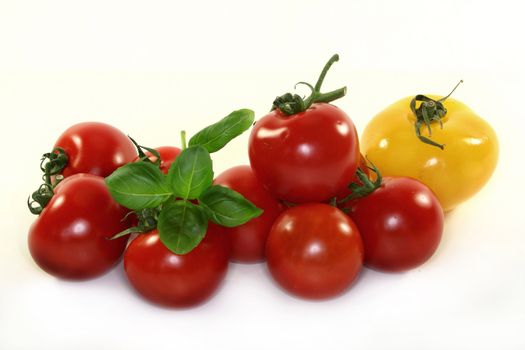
(429, 111)
(291, 104)
(51, 165)
(364, 186)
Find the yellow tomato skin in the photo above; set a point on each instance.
(455, 173)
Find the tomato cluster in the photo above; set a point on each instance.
(314, 203)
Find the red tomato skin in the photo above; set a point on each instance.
(248, 241)
(168, 154)
(173, 280)
(307, 157)
(95, 148)
(69, 238)
(314, 251)
(401, 224)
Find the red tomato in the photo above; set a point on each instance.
(400, 223)
(176, 280)
(248, 241)
(168, 154)
(69, 238)
(306, 157)
(314, 251)
(95, 148)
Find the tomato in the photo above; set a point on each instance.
(306, 157)
(70, 237)
(168, 154)
(454, 173)
(314, 251)
(176, 280)
(95, 148)
(248, 241)
(401, 223)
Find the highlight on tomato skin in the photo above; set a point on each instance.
(70, 238)
(314, 251)
(248, 241)
(177, 281)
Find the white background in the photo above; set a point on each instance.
(153, 68)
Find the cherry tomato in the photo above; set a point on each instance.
(401, 224)
(248, 241)
(176, 280)
(95, 148)
(70, 237)
(314, 251)
(168, 154)
(306, 157)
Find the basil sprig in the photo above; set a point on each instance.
(185, 199)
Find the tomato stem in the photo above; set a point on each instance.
(51, 165)
(364, 186)
(429, 111)
(292, 104)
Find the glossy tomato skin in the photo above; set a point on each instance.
(69, 238)
(248, 241)
(455, 173)
(168, 154)
(306, 157)
(401, 224)
(174, 280)
(95, 148)
(314, 251)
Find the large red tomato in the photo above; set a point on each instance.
(70, 237)
(401, 224)
(314, 251)
(248, 241)
(176, 280)
(310, 156)
(95, 148)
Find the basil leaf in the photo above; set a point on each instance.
(138, 185)
(191, 173)
(182, 225)
(216, 136)
(226, 207)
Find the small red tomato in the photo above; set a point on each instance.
(70, 237)
(248, 241)
(314, 251)
(168, 154)
(175, 280)
(310, 156)
(95, 148)
(401, 224)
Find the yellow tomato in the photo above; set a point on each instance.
(456, 172)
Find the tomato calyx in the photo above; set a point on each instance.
(147, 221)
(143, 156)
(291, 104)
(364, 186)
(429, 111)
(51, 164)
